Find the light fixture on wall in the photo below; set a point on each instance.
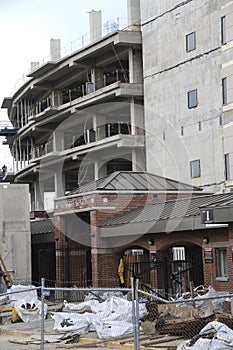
(205, 240)
(150, 241)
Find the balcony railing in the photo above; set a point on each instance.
(69, 142)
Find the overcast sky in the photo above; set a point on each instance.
(26, 27)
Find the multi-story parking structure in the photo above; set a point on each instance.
(80, 117)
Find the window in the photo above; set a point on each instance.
(227, 166)
(224, 91)
(221, 261)
(190, 42)
(182, 131)
(195, 168)
(178, 253)
(199, 126)
(192, 99)
(223, 30)
(220, 120)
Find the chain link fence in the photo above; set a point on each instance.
(130, 315)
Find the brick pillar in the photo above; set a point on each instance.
(104, 268)
(103, 260)
(59, 243)
(230, 256)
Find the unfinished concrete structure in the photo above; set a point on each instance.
(15, 247)
(80, 117)
(187, 60)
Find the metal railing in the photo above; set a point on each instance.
(76, 45)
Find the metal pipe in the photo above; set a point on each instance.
(42, 315)
(136, 315)
(133, 313)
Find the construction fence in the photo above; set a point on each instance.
(128, 315)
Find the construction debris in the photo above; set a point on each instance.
(26, 303)
(112, 317)
(186, 318)
(67, 338)
(214, 336)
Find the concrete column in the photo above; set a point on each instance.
(59, 182)
(55, 49)
(38, 195)
(95, 25)
(32, 197)
(138, 160)
(102, 171)
(137, 128)
(99, 126)
(58, 140)
(136, 118)
(56, 98)
(97, 77)
(135, 66)
(134, 14)
(96, 170)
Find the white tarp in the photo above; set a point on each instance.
(202, 300)
(111, 318)
(26, 302)
(217, 298)
(222, 339)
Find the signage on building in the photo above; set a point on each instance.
(208, 255)
(207, 216)
(71, 204)
(153, 256)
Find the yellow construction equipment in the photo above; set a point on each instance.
(5, 274)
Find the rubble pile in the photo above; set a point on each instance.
(191, 318)
(26, 303)
(214, 336)
(111, 317)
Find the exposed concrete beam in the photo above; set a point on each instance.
(108, 59)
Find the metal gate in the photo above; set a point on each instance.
(73, 267)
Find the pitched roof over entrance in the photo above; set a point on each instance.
(131, 181)
(175, 215)
(42, 226)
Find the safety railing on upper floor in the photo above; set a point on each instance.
(110, 26)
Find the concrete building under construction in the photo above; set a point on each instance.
(153, 97)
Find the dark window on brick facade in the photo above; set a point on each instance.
(221, 259)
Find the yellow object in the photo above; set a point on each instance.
(121, 271)
(13, 311)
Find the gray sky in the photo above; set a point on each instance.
(27, 26)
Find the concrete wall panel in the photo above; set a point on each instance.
(15, 235)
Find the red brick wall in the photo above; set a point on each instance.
(218, 237)
(104, 269)
(104, 261)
